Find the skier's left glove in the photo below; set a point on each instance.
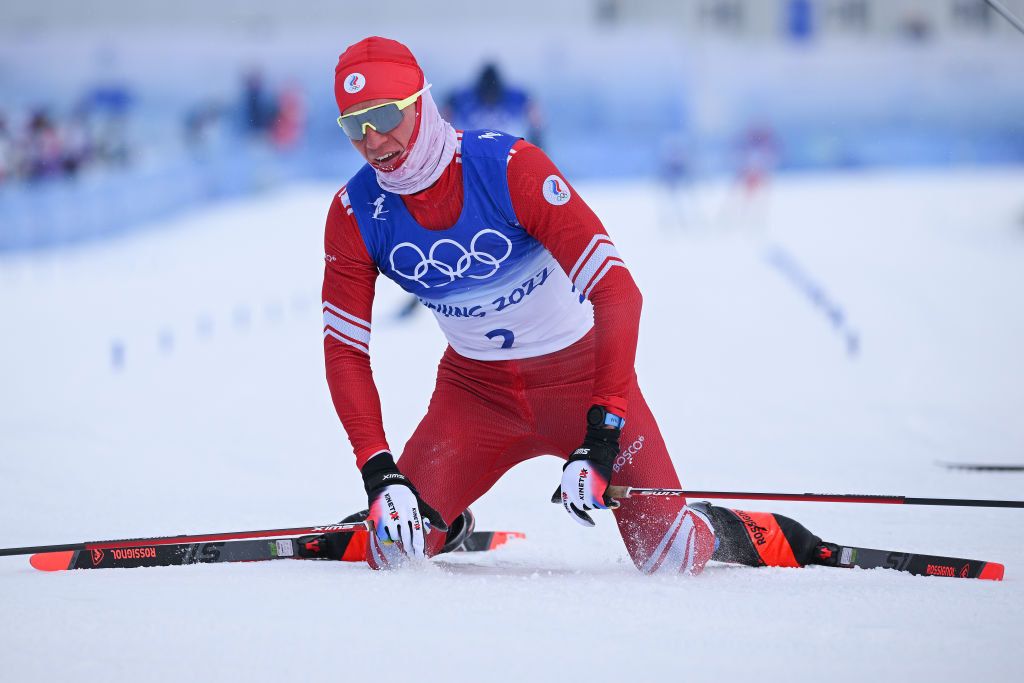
(399, 516)
(585, 477)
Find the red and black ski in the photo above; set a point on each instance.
(347, 542)
(834, 555)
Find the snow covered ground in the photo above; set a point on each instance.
(172, 382)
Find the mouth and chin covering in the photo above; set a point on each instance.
(430, 150)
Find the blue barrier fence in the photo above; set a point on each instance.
(71, 210)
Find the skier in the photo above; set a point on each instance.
(491, 103)
(541, 314)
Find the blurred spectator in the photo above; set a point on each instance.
(78, 141)
(746, 203)
(852, 15)
(607, 11)
(799, 20)
(676, 175)
(915, 27)
(258, 107)
(675, 160)
(287, 127)
(94, 134)
(7, 161)
(726, 16)
(273, 117)
(758, 155)
(43, 149)
(490, 103)
(108, 107)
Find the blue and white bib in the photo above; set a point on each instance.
(496, 292)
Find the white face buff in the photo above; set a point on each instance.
(430, 152)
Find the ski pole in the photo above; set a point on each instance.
(630, 492)
(199, 538)
(1006, 14)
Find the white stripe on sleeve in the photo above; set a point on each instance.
(597, 259)
(346, 328)
(345, 201)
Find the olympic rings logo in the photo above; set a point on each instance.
(458, 267)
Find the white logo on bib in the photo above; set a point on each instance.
(457, 260)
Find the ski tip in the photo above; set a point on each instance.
(502, 537)
(52, 562)
(992, 571)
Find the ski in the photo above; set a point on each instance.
(479, 541)
(346, 544)
(835, 555)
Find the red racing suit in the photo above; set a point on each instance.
(490, 411)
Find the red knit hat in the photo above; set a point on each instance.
(375, 68)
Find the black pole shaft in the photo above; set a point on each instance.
(32, 550)
(965, 502)
(186, 538)
(628, 492)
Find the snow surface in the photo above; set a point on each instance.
(172, 382)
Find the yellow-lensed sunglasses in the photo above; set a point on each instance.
(383, 118)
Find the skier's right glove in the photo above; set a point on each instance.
(399, 516)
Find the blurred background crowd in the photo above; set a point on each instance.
(36, 145)
(120, 113)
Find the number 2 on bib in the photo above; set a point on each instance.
(507, 335)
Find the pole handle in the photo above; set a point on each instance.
(618, 491)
